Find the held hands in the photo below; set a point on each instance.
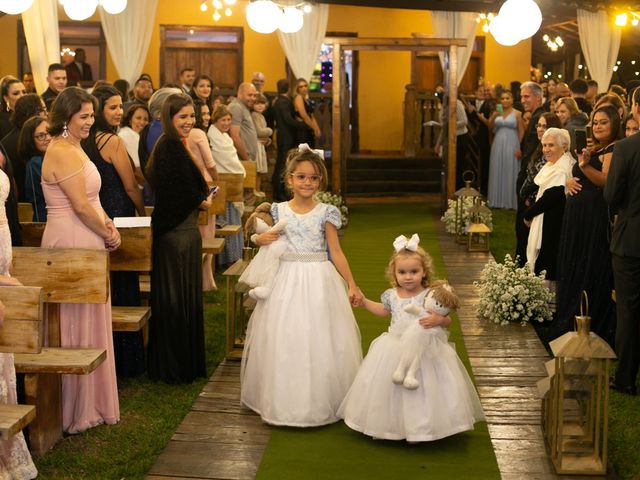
(573, 185)
(112, 242)
(356, 297)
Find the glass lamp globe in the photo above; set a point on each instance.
(263, 16)
(15, 7)
(291, 20)
(524, 15)
(503, 31)
(80, 9)
(113, 6)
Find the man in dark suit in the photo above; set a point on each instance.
(286, 125)
(79, 70)
(622, 193)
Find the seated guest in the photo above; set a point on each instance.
(544, 217)
(32, 145)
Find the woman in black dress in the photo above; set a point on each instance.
(176, 332)
(584, 261)
(120, 196)
(308, 131)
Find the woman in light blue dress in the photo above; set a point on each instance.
(505, 154)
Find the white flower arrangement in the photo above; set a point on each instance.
(449, 217)
(337, 201)
(509, 293)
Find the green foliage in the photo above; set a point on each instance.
(149, 411)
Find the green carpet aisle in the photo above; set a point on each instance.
(336, 452)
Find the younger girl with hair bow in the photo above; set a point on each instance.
(445, 401)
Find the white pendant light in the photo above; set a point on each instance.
(505, 32)
(15, 7)
(291, 20)
(524, 15)
(263, 16)
(80, 9)
(113, 6)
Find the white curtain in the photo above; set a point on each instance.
(43, 39)
(600, 42)
(303, 47)
(456, 25)
(128, 35)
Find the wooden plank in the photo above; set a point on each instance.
(388, 43)
(212, 245)
(76, 361)
(251, 177)
(45, 392)
(23, 327)
(219, 204)
(129, 319)
(13, 418)
(336, 118)
(67, 275)
(228, 230)
(235, 186)
(134, 254)
(25, 212)
(32, 233)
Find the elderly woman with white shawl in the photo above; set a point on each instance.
(545, 216)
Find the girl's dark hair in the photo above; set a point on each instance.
(26, 143)
(552, 120)
(131, 111)
(26, 107)
(193, 93)
(171, 106)
(66, 105)
(296, 157)
(4, 89)
(197, 107)
(616, 126)
(123, 87)
(102, 94)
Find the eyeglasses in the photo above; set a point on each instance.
(42, 136)
(301, 177)
(540, 125)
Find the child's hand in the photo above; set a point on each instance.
(434, 320)
(358, 298)
(267, 238)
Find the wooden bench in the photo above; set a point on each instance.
(21, 332)
(67, 275)
(32, 233)
(25, 212)
(236, 314)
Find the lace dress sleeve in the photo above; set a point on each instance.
(274, 212)
(385, 298)
(332, 215)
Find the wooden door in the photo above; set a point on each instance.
(217, 53)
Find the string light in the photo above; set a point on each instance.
(554, 44)
(485, 19)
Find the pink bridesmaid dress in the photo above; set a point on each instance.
(87, 400)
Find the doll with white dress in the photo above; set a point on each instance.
(444, 401)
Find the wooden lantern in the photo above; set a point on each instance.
(576, 401)
(461, 196)
(478, 232)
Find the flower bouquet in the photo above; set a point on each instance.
(509, 293)
(449, 217)
(335, 200)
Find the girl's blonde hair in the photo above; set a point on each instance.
(296, 156)
(425, 260)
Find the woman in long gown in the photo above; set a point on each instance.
(15, 460)
(584, 261)
(120, 196)
(75, 219)
(176, 329)
(308, 131)
(504, 163)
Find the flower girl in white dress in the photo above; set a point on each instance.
(302, 349)
(445, 401)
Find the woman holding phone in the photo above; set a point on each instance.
(176, 333)
(504, 163)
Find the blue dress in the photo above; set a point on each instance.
(503, 164)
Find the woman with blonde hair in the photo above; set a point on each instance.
(309, 130)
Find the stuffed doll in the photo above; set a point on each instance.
(415, 340)
(260, 272)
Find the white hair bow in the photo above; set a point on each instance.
(401, 242)
(304, 147)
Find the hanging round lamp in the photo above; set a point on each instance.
(15, 7)
(504, 31)
(114, 6)
(291, 20)
(263, 16)
(524, 15)
(80, 9)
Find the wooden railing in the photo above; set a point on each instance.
(421, 112)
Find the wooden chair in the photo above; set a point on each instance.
(22, 332)
(25, 212)
(66, 275)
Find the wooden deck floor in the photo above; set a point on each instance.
(219, 439)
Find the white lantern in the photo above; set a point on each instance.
(263, 16)
(523, 15)
(291, 20)
(113, 6)
(80, 9)
(15, 7)
(503, 31)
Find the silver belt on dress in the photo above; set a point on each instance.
(304, 257)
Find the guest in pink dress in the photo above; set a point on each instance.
(198, 145)
(75, 218)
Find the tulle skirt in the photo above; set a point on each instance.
(302, 349)
(264, 266)
(445, 402)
